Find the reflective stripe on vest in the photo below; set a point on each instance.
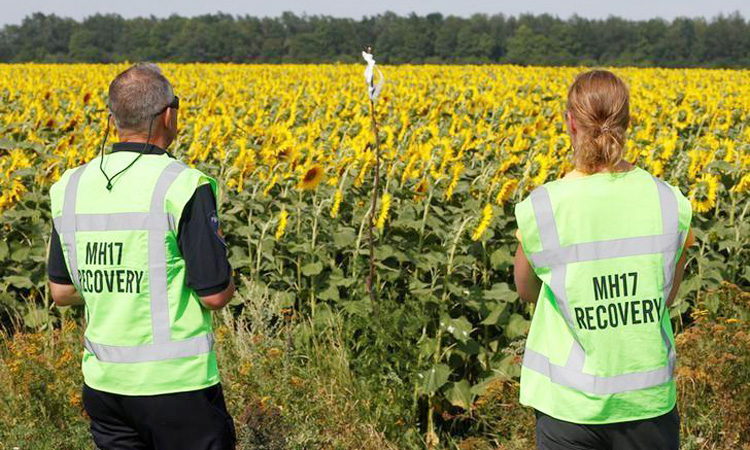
(156, 222)
(153, 352)
(556, 257)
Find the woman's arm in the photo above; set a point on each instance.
(679, 272)
(527, 283)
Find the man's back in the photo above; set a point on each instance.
(147, 332)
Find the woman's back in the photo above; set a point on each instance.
(603, 245)
(603, 204)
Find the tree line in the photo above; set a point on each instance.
(723, 41)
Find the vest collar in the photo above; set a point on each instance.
(137, 147)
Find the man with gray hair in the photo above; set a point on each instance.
(136, 240)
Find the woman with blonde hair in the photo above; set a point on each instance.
(602, 254)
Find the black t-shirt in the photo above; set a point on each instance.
(204, 251)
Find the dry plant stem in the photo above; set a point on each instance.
(370, 283)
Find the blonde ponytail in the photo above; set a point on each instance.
(600, 106)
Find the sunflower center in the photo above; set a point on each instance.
(310, 175)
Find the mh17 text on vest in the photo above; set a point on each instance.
(617, 313)
(112, 277)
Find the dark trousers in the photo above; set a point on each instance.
(196, 420)
(659, 433)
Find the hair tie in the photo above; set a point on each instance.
(605, 129)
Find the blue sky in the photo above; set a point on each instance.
(13, 11)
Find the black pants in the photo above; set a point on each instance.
(659, 433)
(196, 420)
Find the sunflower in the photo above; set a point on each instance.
(539, 169)
(730, 147)
(682, 118)
(457, 170)
(506, 190)
(699, 159)
(507, 162)
(336, 203)
(312, 178)
(281, 227)
(12, 194)
(669, 145)
(703, 193)
(271, 184)
(421, 189)
(743, 185)
(484, 223)
(384, 208)
(657, 167)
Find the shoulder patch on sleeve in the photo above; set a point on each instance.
(213, 222)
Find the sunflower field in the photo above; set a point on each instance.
(292, 147)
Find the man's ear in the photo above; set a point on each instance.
(112, 125)
(167, 118)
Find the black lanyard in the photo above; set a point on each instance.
(110, 180)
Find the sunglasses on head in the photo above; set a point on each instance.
(175, 104)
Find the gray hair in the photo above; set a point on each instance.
(137, 94)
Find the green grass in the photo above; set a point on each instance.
(288, 392)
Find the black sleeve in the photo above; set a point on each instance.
(204, 250)
(57, 270)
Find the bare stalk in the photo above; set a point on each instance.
(370, 282)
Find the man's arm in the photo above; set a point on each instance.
(220, 300)
(204, 250)
(527, 283)
(65, 294)
(60, 285)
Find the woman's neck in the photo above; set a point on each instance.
(622, 166)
